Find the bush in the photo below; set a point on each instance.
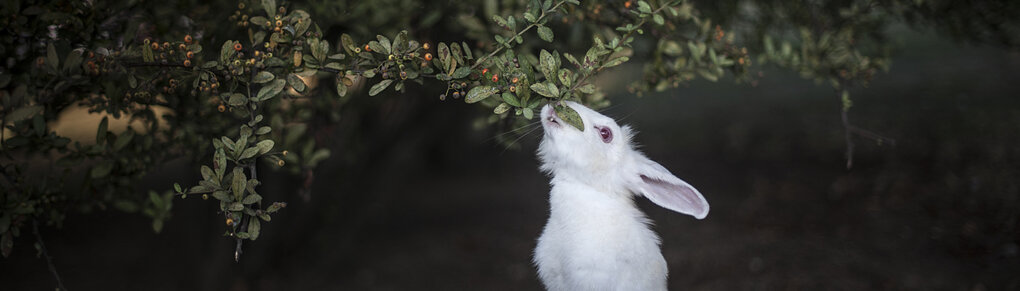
(239, 87)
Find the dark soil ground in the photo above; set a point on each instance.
(450, 210)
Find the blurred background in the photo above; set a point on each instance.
(429, 202)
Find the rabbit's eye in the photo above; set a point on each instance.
(605, 133)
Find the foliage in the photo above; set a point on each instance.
(259, 91)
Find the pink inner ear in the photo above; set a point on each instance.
(677, 197)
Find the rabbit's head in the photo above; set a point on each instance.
(602, 156)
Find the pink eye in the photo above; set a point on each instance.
(605, 133)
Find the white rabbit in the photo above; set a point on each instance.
(596, 238)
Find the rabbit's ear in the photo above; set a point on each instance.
(666, 190)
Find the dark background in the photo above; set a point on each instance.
(430, 203)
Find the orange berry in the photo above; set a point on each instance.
(425, 46)
(428, 56)
(485, 71)
(187, 63)
(230, 221)
(190, 54)
(182, 47)
(627, 4)
(221, 108)
(367, 48)
(188, 39)
(495, 77)
(279, 23)
(155, 46)
(514, 80)
(238, 46)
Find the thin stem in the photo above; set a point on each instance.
(49, 260)
(521, 33)
(579, 82)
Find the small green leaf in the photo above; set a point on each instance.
(569, 115)
(263, 130)
(587, 89)
(276, 206)
(235, 206)
(51, 57)
(658, 19)
(528, 113)
(566, 77)
(264, 146)
(222, 196)
(249, 152)
(510, 99)
(226, 51)
(545, 89)
(254, 227)
(270, 7)
(461, 72)
(237, 99)
(253, 198)
(24, 113)
(479, 93)
(644, 7)
(502, 108)
(102, 169)
(341, 89)
(262, 77)
(545, 33)
(239, 182)
(296, 82)
(101, 132)
(123, 139)
(270, 90)
(377, 88)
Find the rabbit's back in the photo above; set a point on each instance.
(597, 240)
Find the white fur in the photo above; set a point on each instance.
(596, 238)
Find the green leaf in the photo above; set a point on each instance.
(545, 89)
(51, 57)
(72, 62)
(262, 77)
(220, 163)
(253, 198)
(263, 130)
(235, 206)
(264, 146)
(566, 77)
(479, 93)
(643, 7)
(123, 139)
(249, 152)
(303, 22)
(658, 19)
(237, 99)
(254, 227)
(222, 196)
(226, 51)
(296, 82)
(271, 90)
(385, 43)
(276, 206)
(102, 169)
(461, 72)
(101, 132)
(587, 89)
(377, 88)
(270, 7)
(24, 113)
(467, 50)
(207, 173)
(569, 115)
(528, 113)
(616, 61)
(547, 64)
(341, 89)
(510, 99)
(348, 44)
(239, 182)
(545, 33)
(502, 108)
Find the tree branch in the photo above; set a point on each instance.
(49, 260)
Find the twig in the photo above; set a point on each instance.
(847, 137)
(849, 130)
(604, 58)
(521, 33)
(49, 260)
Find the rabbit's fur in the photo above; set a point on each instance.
(596, 238)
